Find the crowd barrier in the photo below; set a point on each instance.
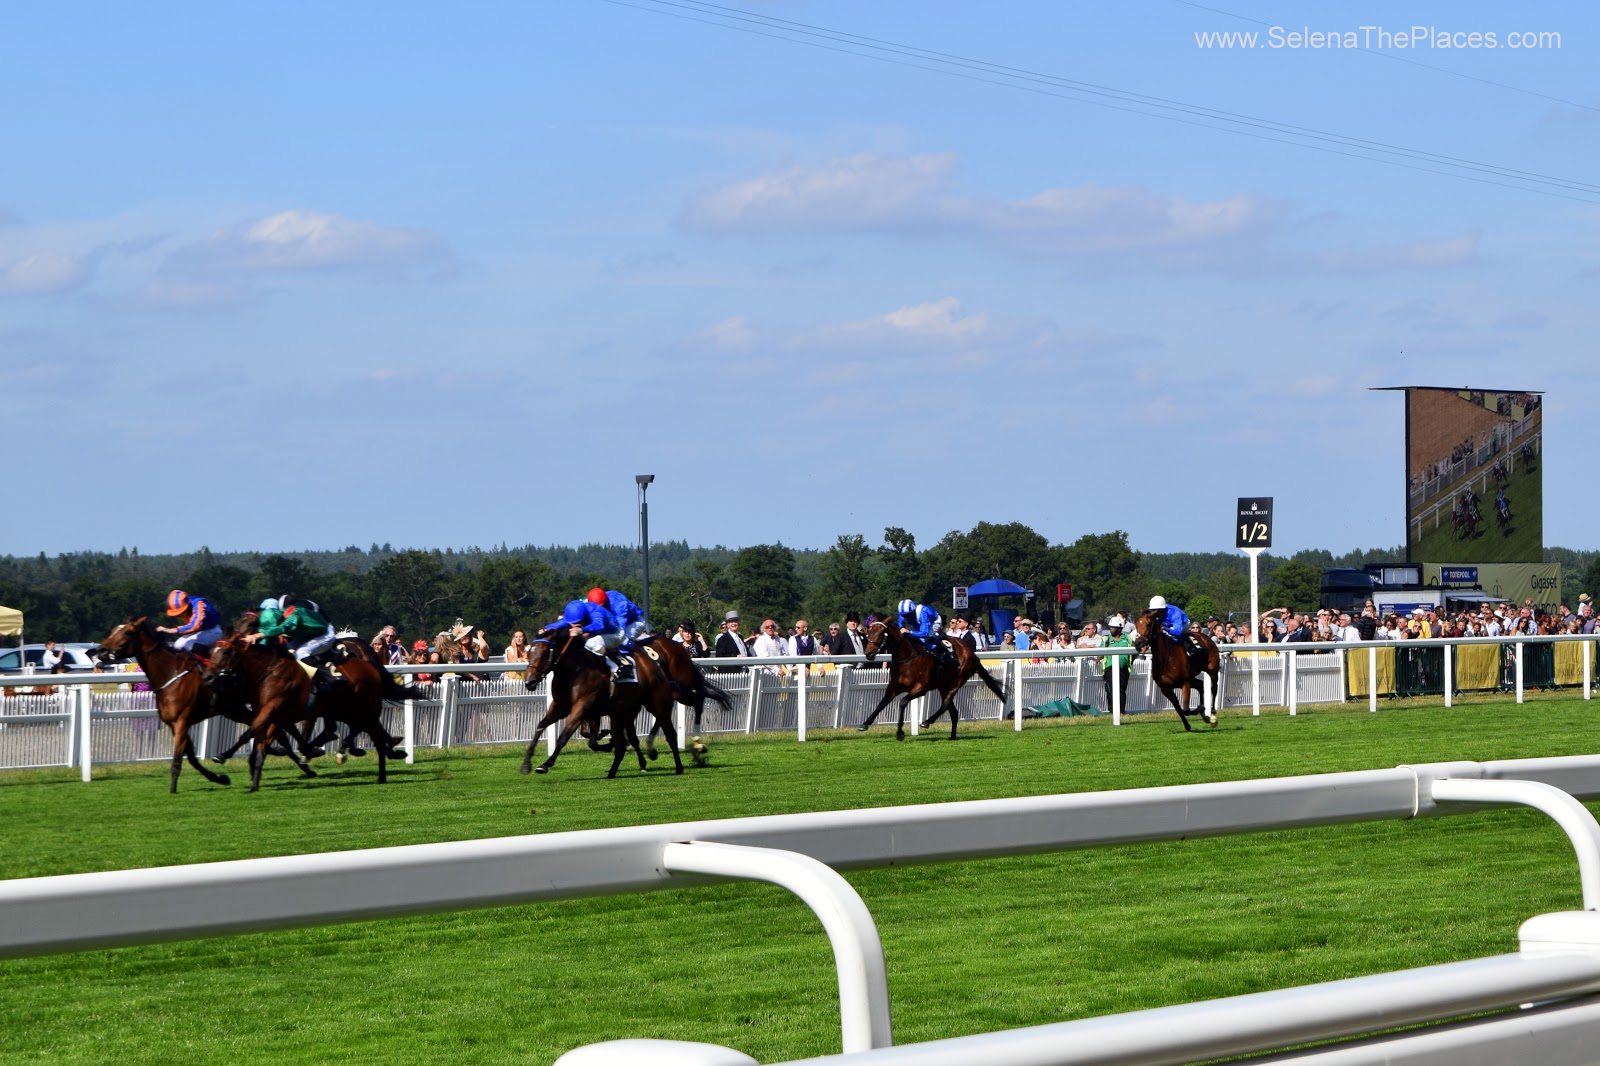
(94, 719)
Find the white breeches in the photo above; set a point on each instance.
(316, 644)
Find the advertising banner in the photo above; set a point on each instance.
(1474, 479)
(1518, 582)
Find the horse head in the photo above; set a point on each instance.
(877, 637)
(122, 643)
(1145, 627)
(544, 656)
(225, 660)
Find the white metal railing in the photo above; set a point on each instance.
(1560, 954)
(86, 723)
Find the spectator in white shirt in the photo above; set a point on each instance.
(51, 657)
(1346, 632)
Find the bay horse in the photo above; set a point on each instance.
(182, 700)
(690, 687)
(582, 692)
(1170, 667)
(345, 648)
(913, 670)
(278, 688)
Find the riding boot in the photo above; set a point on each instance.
(621, 669)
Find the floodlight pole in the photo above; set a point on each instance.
(643, 481)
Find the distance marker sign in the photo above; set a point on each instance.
(1253, 529)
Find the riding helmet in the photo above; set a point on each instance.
(597, 595)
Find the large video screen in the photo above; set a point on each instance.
(1474, 479)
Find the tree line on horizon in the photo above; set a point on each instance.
(82, 596)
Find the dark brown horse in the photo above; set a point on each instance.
(914, 670)
(690, 687)
(1171, 668)
(278, 688)
(582, 693)
(346, 648)
(182, 700)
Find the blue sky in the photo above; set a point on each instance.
(385, 273)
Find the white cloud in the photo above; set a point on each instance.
(1095, 227)
(42, 273)
(861, 191)
(310, 240)
(732, 335)
(938, 319)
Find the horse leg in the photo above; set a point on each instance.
(188, 752)
(180, 741)
(258, 754)
(670, 731)
(900, 726)
(1172, 697)
(569, 727)
(1208, 697)
(888, 694)
(550, 716)
(383, 763)
(622, 732)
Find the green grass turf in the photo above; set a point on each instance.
(971, 947)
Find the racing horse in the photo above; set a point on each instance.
(278, 686)
(690, 687)
(582, 693)
(182, 700)
(1172, 668)
(914, 670)
(345, 648)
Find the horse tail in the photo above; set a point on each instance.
(709, 689)
(995, 685)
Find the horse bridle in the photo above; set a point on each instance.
(555, 656)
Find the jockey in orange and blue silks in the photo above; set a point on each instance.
(1174, 621)
(201, 626)
(920, 621)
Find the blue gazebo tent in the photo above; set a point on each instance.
(1000, 618)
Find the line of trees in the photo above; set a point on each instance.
(81, 596)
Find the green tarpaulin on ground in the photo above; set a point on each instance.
(1065, 707)
(10, 621)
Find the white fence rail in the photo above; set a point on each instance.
(1559, 960)
(91, 720)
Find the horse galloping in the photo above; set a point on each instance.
(690, 687)
(279, 687)
(914, 670)
(182, 700)
(1170, 666)
(582, 692)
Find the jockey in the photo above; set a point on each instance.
(201, 623)
(1173, 620)
(1502, 503)
(299, 623)
(629, 615)
(920, 621)
(597, 622)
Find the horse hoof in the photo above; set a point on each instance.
(862, 728)
(541, 769)
(651, 754)
(899, 735)
(339, 757)
(314, 752)
(525, 770)
(224, 779)
(217, 760)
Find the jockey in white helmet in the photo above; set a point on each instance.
(1173, 620)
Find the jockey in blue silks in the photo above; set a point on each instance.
(595, 621)
(630, 616)
(920, 621)
(1175, 622)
